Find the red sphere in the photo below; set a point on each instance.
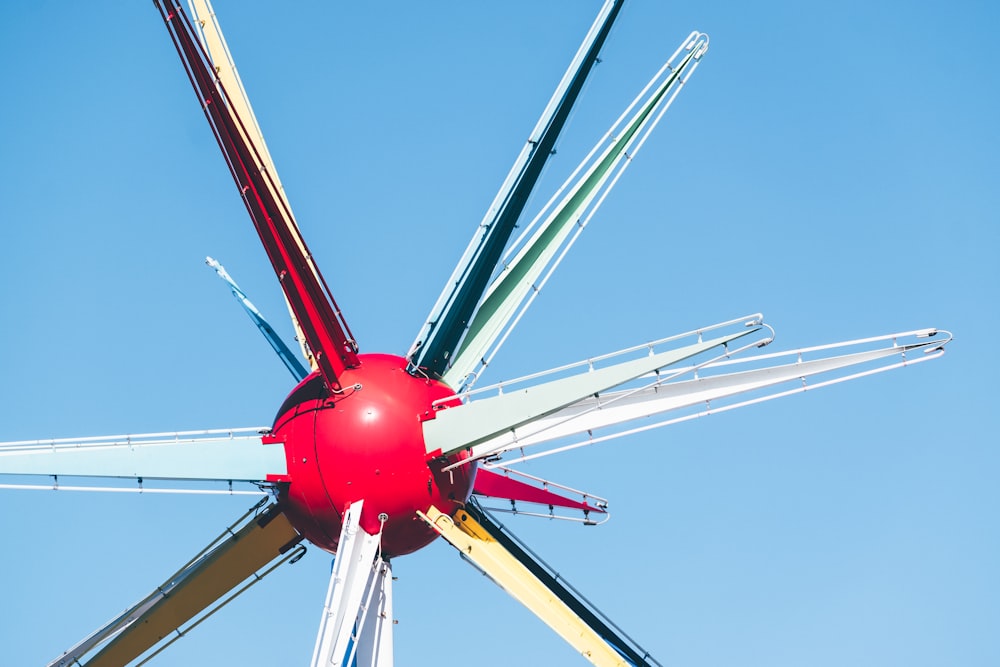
(366, 443)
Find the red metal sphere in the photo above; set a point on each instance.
(365, 443)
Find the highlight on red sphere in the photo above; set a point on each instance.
(366, 443)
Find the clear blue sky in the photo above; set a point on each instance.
(834, 166)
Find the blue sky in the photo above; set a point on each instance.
(833, 166)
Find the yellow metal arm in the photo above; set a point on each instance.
(475, 541)
(234, 557)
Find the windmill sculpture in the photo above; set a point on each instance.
(373, 456)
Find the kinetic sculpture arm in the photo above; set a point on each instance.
(469, 424)
(236, 455)
(446, 325)
(293, 365)
(246, 547)
(218, 52)
(356, 625)
(325, 331)
(513, 568)
(522, 277)
(712, 390)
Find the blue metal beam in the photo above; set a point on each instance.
(450, 317)
(293, 365)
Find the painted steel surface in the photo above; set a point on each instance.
(365, 443)
(438, 340)
(373, 645)
(493, 558)
(522, 276)
(472, 423)
(215, 45)
(194, 456)
(293, 365)
(495, 485)
(315, 310)
(345, 597)
(237, 556)
(805, 369)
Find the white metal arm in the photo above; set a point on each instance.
(463, 426)
(531, 260)
(356, 626)
(227, 455)
(710, 388)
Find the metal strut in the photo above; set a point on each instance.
(437, 341)
(356, 626)
(259, 537)
(315, 310)
(530, 261)
(293, 365)
(537, 587)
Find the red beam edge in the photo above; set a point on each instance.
(321, 320)
(495, 485)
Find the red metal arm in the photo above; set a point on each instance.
(325, 330)
(495, 485)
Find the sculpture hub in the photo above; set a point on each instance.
(365, 443)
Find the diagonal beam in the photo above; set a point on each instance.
(313, 306)
(522, 277)
(351, 600)
(491, 484)
(222, 63)
(446, 324)
(293, 365)
(467, 425)
(235, 556)
(796, 371)
(516, 573)
(374, 645)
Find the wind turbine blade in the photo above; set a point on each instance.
(236, 455)
(293, 365)
(796, 371)
(357, 616)
(532, 583)
(315, 310)
(237, 554)
(446, 324)
(466, 425)
(517, 285)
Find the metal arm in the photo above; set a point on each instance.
(324, 328)
(470, 424)
(224, 455)
(713, 388)
(239, 553)
(561, 224)
(531, 582)
(293, 365)
(446, 324)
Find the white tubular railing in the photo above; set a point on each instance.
(649, 348)
(710, 389)
(134, 439)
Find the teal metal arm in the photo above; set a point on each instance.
(447, 322)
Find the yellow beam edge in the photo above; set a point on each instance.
(248, 550)
(475, 542)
